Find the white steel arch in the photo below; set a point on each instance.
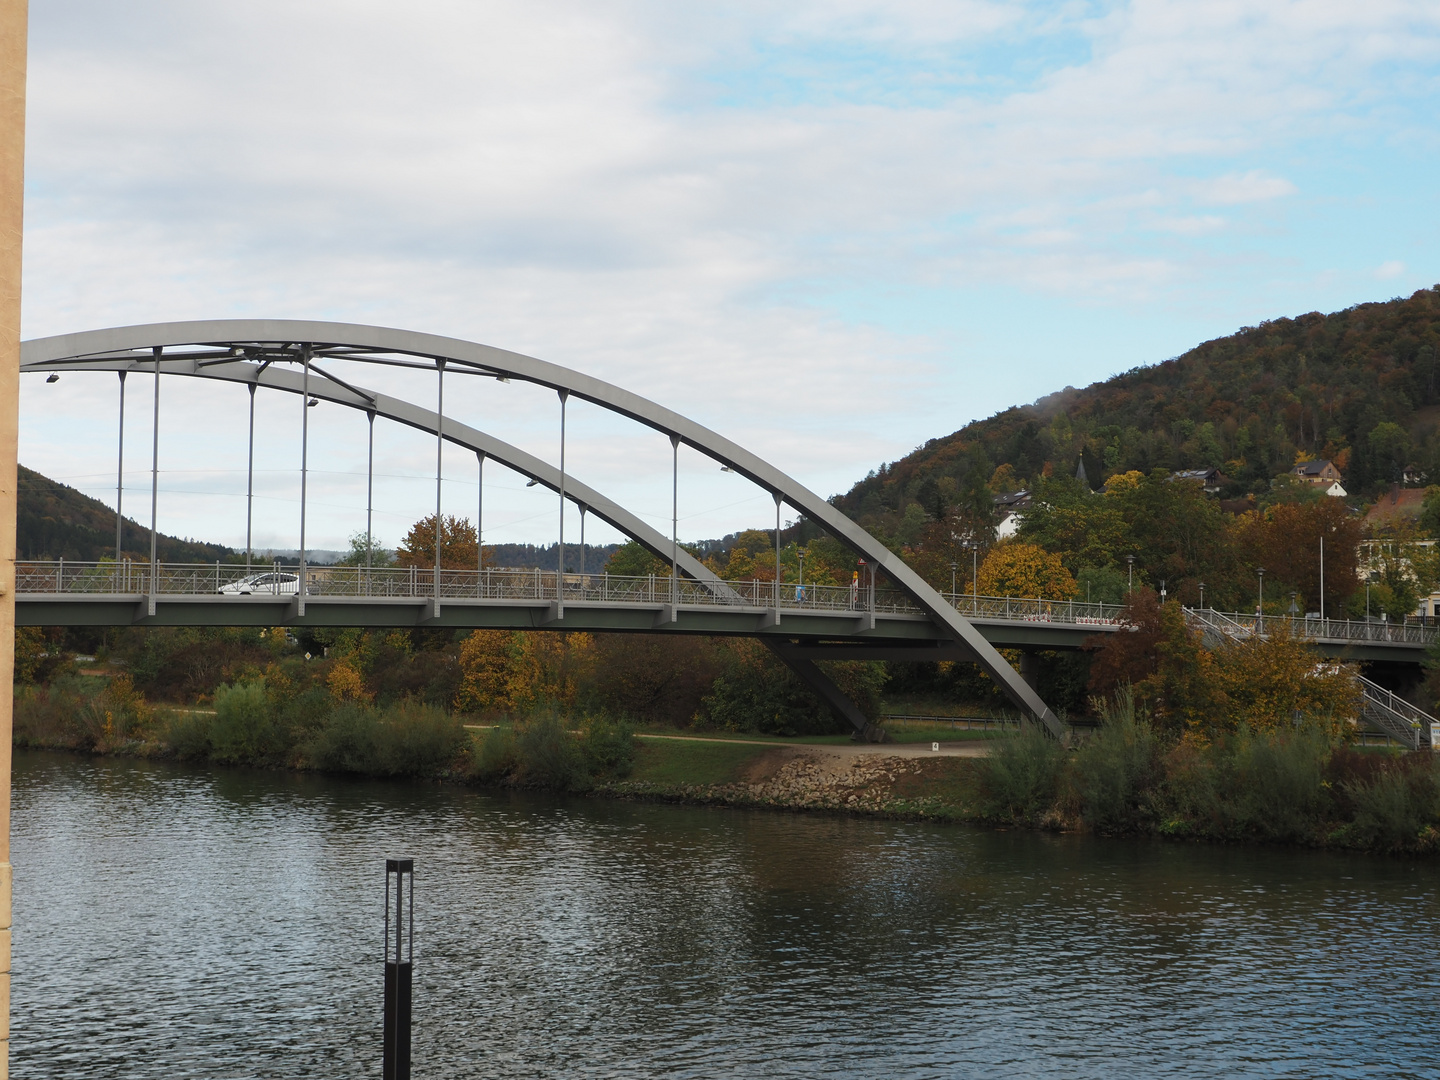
(246, 351)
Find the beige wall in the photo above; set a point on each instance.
(13, 26)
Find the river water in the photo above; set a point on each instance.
(175, 922)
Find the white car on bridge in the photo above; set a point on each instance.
(271, 583)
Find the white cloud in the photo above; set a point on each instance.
(1249, 187)
(1391, 268)
(561, 179)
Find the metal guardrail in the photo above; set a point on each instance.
(1394, 715)
(127, 578)
(1358, 631)
(134, 579)
(1383, 710)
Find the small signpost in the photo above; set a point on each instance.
(399, 959)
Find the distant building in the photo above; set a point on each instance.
(1413, 474)
(1009, 508)
(1322, 474)
(1212, 480)
(1318, 472)
(1396, 504)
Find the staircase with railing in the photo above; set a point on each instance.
(1384, 711)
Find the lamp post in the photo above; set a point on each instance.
(1260, 604)
(952, 581)
(1294, 608)
(1130, 587)
(399, 966)
(1202, 596)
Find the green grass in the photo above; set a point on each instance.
(678, 761)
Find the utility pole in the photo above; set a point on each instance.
(14, 18)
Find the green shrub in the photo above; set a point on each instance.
(79, 713)
(757, 692)
(406, 739)
(547, 755)
(497, 757)
(609, 747)
(44, 717)
(1117, 770)
(416, 739)
(244, 730)
(1279, 778)
(1020, 775)
(348, 740)
(1395, 804)
(1270, 785)
(187, 734)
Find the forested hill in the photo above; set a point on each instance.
(57, 522)
(1359, 387)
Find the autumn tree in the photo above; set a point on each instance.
(1127, 657)
(487, 660)
(550, 668)
(1025, 570)
(457, 544)
(1277, 681)
(1285, 540)
(504, 670)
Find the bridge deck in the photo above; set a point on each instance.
(60, 593)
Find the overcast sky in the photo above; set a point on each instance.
(830, 231)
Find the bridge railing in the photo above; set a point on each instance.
(128, 578)
(1019, 609)
(1238, 624)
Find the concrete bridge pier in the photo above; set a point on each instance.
(827, 690)
(1030, 668)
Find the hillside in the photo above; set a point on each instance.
(1360, 387)
(55, 521)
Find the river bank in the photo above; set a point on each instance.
(1292, 792)
(1298, 786)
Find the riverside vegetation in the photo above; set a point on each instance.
(1248, 743)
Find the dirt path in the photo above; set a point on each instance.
(849, 751)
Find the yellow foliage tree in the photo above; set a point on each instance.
(1127, 481)
(487, 659)
(1269, 683)
(550, 668)
(345, 683)
(506, 670)
(1025, 570)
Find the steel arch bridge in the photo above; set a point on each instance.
(904, 619)
(294, 357)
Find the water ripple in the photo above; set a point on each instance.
(175, 922)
